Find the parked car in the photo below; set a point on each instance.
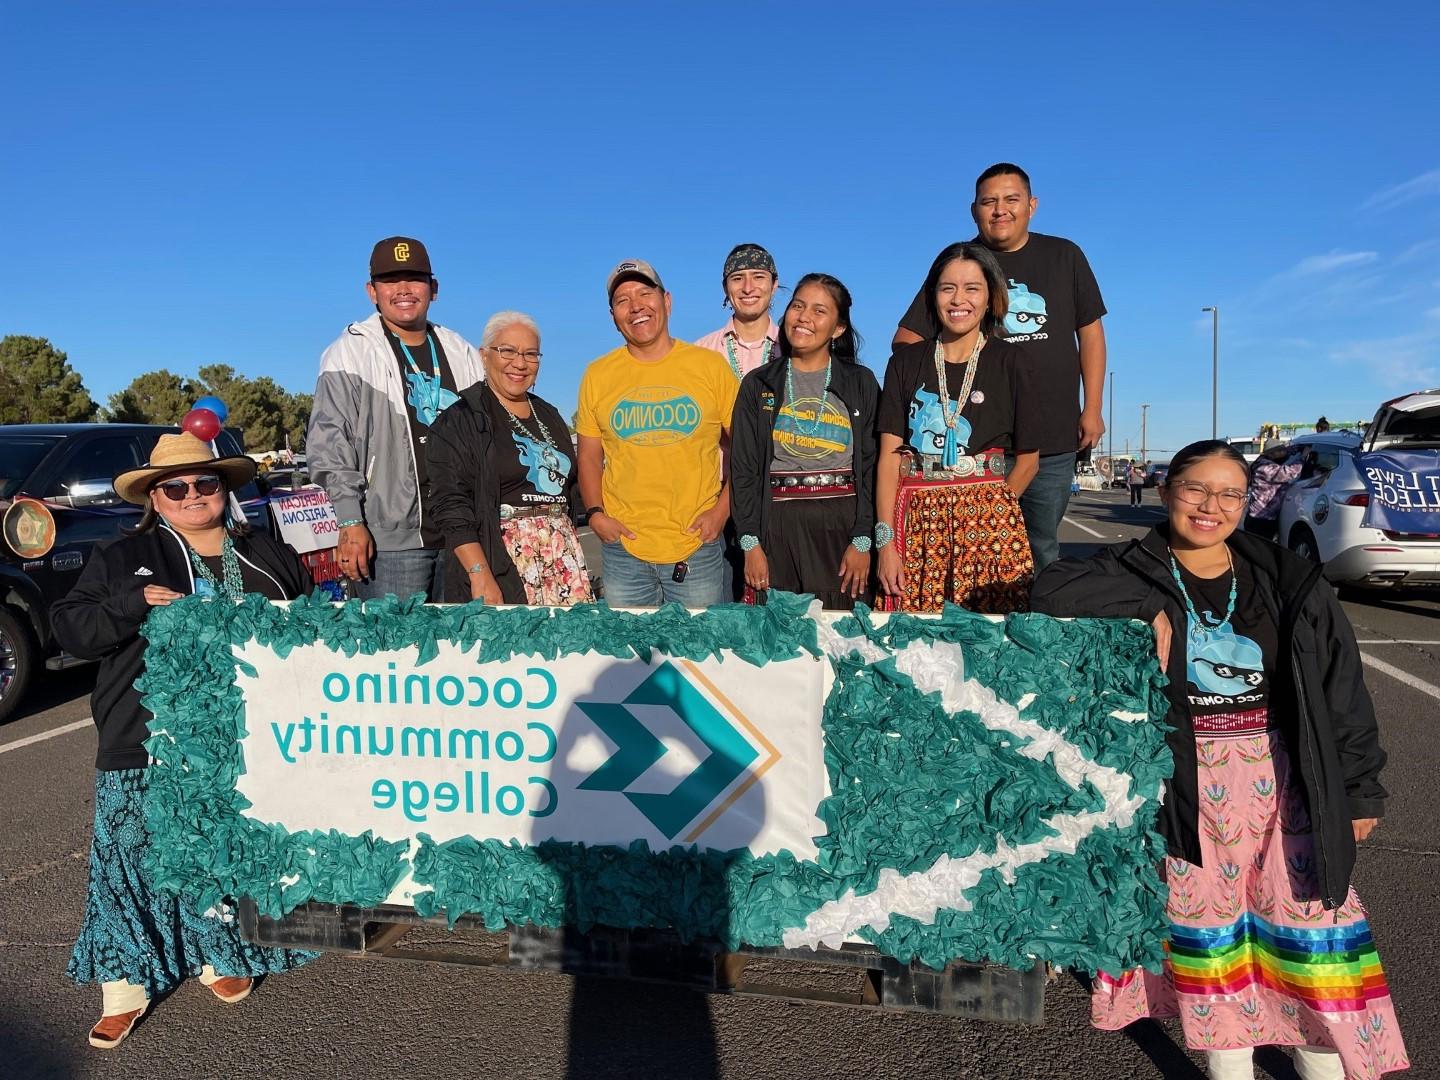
(1321, 513)
(68, 469)
(1155, 474)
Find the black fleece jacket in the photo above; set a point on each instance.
(100, 619)
(752, 426)
(1318, 697)
(465, 489)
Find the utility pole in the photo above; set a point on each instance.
(1214, 371)
(1110, 428)
(1144, 415)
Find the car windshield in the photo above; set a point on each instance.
(19, 454)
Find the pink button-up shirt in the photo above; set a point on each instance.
(748, 355)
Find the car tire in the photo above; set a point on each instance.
(1302, 543)
(18, 659)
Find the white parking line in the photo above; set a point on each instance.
(1395, 641)
(29, 740)
(1402, 676)
(1085, 528)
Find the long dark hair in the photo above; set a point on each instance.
(846, 347)
(150, 520)
(1199, 451)
(994, 280)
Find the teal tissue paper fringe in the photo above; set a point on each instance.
(945, 785)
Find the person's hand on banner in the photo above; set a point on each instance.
(1163, 636)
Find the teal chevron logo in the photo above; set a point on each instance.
(637, 748)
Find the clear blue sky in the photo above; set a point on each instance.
(198, 183)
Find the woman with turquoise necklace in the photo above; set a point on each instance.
(802, 455)
(137, 942)
(1277, 777)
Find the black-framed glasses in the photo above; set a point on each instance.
(1197, 494)
(179, 490)
(509, 353)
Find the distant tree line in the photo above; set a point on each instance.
(38, 386)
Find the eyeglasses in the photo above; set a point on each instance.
(509, 352)
(1197, 494)
(178, 490)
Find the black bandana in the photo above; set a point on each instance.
(748, 257)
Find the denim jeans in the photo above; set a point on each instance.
(404, 573)
(632, 582)
(1043, 505)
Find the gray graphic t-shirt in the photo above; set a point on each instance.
(809, 436)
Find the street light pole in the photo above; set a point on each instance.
(1111, 427)
(1144, 415)
(1214, 371)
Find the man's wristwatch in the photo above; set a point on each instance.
(883, 534)
(591, 511)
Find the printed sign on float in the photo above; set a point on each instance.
(306, 519)
(1404, 490)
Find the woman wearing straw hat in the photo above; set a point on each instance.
(138, 942)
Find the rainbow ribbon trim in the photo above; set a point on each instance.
(1331, 970)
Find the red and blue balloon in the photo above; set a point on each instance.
(206, 418)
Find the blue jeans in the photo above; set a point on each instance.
(632, 582)
(404, 573)
(1043, 505)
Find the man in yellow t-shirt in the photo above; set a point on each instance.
(651, 417)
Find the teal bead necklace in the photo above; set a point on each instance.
(232, 584)
(790, 398)
(735, 364)
(1198, 629)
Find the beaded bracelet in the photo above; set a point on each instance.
(749, 543)
(883, 533)
(348, 523)
(860, 544)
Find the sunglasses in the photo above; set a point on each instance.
(178, 490)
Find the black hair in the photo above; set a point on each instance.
(846, 347)
(1199, 451)
(994, 278)
(1003, 168)
(150, 519)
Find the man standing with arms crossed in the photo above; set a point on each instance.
(382, 384)
(1055, 313)
(651, 417)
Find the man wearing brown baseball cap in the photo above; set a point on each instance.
(368, 428)
(651, 417)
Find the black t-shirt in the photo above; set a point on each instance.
(254, 581)
(532, 469)
(1001, 412)
(1053, 293)
(1229, 669)
(426, 397)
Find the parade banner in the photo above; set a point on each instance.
(306, 519)
(1404, 490)
(945, 788)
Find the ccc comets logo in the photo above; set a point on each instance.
(655, 416)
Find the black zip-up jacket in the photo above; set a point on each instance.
(1318, 698)
(100, 619)
(761, 396)
(465, 489)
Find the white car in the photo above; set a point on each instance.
(1321, 513)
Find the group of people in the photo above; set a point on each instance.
(764, 456)
(767, 457)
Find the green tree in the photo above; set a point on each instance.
(157, 397)
(38, 385)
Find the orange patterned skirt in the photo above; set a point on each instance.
(963, 542)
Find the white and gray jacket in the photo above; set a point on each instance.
(358, 442)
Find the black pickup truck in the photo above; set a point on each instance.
(69, 468)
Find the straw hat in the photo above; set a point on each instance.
(182, 453)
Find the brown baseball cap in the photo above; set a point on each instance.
(400, 255)
(632, 270)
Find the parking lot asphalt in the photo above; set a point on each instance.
(349, 1017)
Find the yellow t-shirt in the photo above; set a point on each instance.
(660, 423)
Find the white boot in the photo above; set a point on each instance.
(1318, 1063)
(1230, 1064)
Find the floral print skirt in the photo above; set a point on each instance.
(1254, 957)
(963, 543)
(135, 932)
(546, 552)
